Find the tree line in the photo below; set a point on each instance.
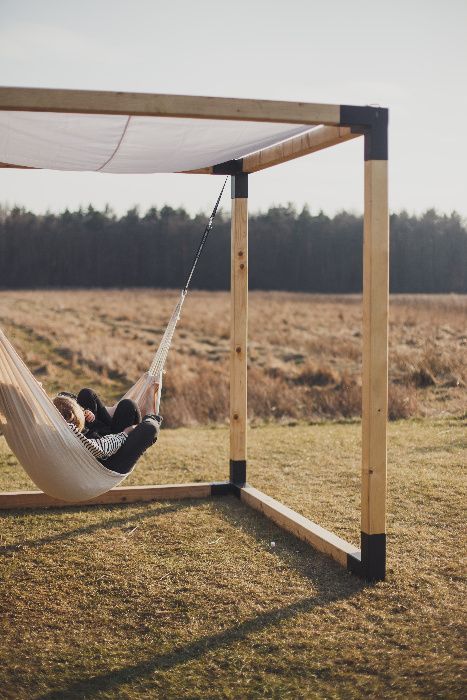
(288, 250)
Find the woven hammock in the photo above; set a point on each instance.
(50, 453)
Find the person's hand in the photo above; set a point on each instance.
(89, 416)
(128, 430)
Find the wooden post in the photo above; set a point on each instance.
(239, 329)
(375, 369)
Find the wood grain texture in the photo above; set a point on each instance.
(19, 167)
(239, 329)
(375, 347)
(158, 105)
(129, 494)
(315, 140)
(298, 525)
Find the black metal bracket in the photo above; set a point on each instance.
(372, 122)
(239, 186)
(238, 471)
(371, 564)
(230, 167)
(226, 488)
(221, 488)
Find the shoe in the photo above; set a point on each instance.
(153, 416)
(68, 394)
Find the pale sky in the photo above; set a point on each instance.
(408, 55)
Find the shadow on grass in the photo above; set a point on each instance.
(332, 584)
(293, 551)
(189, 652)
(172, 507)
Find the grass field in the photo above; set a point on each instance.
(189, 599)
(304, 350)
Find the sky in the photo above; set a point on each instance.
(407, 55)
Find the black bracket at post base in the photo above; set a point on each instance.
(373, 123)
(239, 186)
(226, 488)
(372, 562)
(221, 488)
(238, 471)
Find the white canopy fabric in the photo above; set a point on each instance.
(122, 144)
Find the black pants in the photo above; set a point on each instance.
(127, 413)
(143, 436)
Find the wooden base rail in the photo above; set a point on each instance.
(346, 554)
(298, 525)
(10, 500)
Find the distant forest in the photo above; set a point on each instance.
(289, 250)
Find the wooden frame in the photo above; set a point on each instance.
(239, 329)
(155, 105)
(121, 494)
(339, 123)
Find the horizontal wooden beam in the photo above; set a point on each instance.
(156, 105)
(297, 525)
(128, 494)
(315, 140)
(199, 171)
(20, 167)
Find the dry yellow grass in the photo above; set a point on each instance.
(178, 600)
(305, 350)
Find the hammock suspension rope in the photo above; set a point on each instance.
(50, 453)
(160, 357)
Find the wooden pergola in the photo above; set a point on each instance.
(339, 123)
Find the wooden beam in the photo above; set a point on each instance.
(315, 140)
(239, 329)
(298, 525)
(128, 494)
(199, 171)
(156, 105)
(20, 167)
(375, 347)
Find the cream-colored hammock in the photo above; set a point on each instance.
(48, 450)
(36, 433)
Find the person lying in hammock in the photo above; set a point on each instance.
(117, 451)
(101, 420)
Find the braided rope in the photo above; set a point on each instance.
(159, 360)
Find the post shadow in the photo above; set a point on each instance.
(332, 583)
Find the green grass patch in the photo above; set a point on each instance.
(189, 600)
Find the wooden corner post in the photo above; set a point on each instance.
(239, 329)
(375, 370)
(373, 123)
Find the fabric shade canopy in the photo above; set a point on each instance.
(123, 144)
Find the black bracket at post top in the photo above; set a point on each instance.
(239, 186)
(373, 123)
(230, 167)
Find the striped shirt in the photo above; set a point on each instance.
(101, 448)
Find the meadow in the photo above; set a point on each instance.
(304, 350)
(206, 598)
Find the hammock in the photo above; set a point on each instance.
(51, 454)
